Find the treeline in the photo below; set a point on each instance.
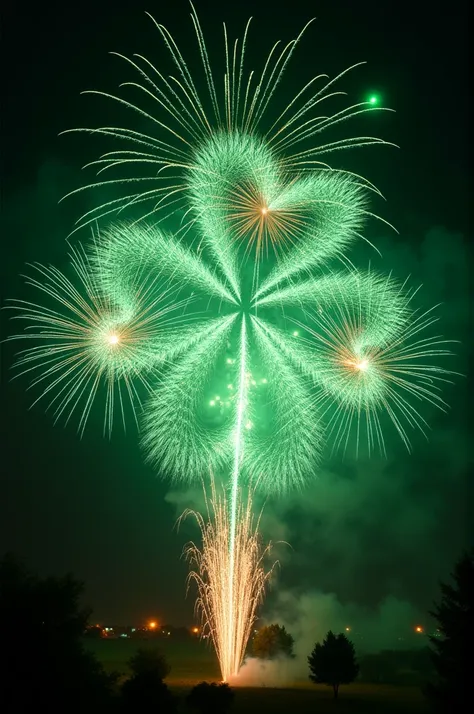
(46, 667)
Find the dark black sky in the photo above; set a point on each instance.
(363, 532)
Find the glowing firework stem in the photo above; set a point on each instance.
(239, 446)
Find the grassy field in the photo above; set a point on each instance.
(193, 661)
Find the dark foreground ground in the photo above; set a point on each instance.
(192, 662)
(361, 699)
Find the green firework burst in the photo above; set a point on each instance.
(307, 361)
(223, 144)
(247, 377)
(249, 353)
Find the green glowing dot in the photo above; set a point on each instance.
(217, 398)
(264, 380)
(212, 403)
(229, 360)
(230, 386)
(295, 333)
(254, 382)
(248, 425)
(373, 99)
(227, 404)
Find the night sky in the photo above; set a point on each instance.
(370, 539)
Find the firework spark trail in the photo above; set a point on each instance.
(89, 338)
(185, 448)
(361, 347)
(228, 614)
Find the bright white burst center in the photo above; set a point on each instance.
(113, 339)
(362, 365)
(264, 211)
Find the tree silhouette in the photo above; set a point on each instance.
(452, 647)
(271, 641)
(149, 660)
(145, 690)
(333, 663)
(210, 698)
(45, 666)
